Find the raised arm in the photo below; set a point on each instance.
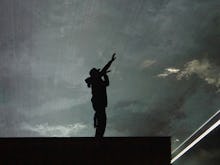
(107, 66)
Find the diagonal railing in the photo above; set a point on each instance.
(212, 123)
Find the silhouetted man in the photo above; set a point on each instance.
(98, 81)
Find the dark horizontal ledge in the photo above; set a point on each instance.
(86, 150)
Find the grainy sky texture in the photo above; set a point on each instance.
(165, 81)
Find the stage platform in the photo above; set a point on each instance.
(86, 150)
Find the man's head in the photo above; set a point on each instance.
(94, 72)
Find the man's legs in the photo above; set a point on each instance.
(95, 120)
(101, 119)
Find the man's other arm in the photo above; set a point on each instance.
(106, 80)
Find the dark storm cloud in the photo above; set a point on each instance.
(48, 47)
(155, 116)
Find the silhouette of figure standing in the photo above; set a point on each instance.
(98, 81)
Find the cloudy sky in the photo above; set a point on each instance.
(165, 81)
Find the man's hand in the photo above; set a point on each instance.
(113, 57)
